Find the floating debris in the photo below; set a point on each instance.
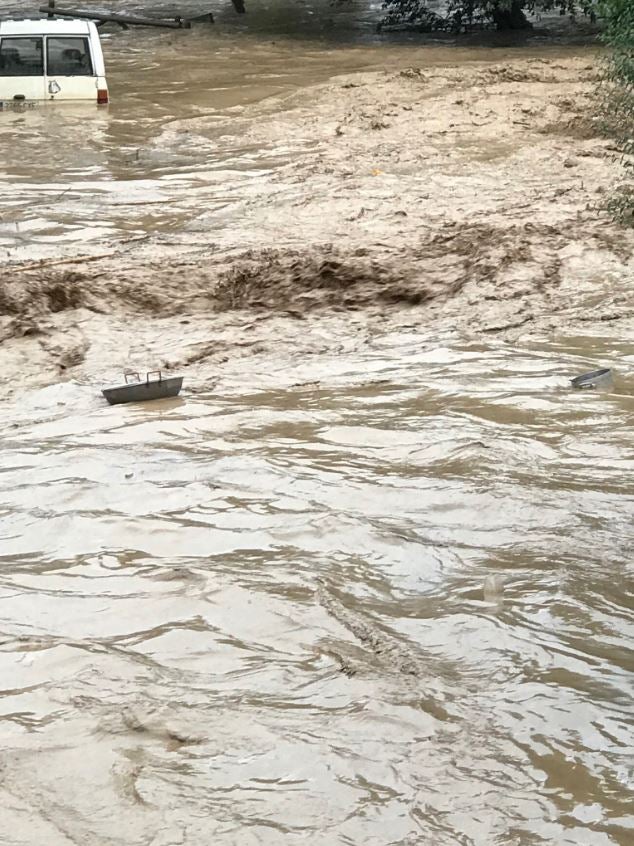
(126, 21)
(135, 389)
(593, 379)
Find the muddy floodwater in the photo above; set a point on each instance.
(75, 178)
(369, 580)
(171, 153)
(389, 604)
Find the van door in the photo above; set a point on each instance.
(70, 70)
(21, 68)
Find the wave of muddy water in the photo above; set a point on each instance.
(369, 580)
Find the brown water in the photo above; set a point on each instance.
(391, 604)
(74, 178)
(376, 589)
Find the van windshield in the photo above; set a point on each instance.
(21, 57)
(68, 57)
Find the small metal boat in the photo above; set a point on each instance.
(594, 379)
(135, 389)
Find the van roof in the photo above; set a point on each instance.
(45, 26)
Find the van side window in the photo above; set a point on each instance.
(21, 57)
(68, 57)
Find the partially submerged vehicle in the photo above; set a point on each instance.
(51, 60)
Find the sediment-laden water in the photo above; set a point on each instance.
(369, 579)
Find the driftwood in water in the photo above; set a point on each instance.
(123, 20)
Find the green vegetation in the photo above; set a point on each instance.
(463, 15)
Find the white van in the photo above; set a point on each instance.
(51, 60)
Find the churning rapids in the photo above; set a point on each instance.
(369, 579)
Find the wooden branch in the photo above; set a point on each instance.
(126, 20)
